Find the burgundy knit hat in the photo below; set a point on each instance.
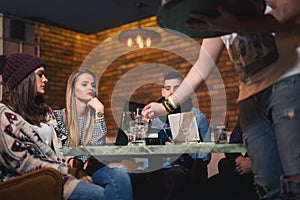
(17, 67)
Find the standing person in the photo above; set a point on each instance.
(82, 123)
(28, 133)
(268, 97)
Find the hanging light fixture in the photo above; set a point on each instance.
(140, 37)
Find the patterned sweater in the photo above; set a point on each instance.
(22, 149)
(99, 131)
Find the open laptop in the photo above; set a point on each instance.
(179, 120)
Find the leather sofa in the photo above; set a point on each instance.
(46, 184)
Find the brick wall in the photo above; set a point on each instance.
(64, 51)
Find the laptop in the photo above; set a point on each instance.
(178, 121)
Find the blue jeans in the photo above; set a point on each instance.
(108, 183)
(271, 124)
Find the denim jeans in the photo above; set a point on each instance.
(271, 124)
(108, 183)
(87, 191)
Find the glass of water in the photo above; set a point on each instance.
(125, 124)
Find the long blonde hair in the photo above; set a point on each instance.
(71, 111)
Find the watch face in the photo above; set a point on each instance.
(100, 114)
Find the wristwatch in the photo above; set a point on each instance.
(100, 114)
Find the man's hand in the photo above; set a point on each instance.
(243, 165)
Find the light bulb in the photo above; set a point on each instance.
(148, 42)
(129, 42)
(139, 39)
(141, 45)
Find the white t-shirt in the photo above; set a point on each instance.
(45, 132)
(256, 75)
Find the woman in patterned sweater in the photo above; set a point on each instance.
(28, 138)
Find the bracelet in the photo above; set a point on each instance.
(168, 106)
(165, 107)
(172, 102)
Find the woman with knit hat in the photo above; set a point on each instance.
(28, 133)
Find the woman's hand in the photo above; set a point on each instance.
(80, 174)
(226, 22)
(153, 110)
(83, 176)
(86, 178)
(75, 163)
(96, 105)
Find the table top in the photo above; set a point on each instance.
(107, 150)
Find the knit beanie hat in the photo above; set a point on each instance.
(17, 67)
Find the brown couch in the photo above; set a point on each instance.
(45, 184)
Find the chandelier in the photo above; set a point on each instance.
(140, 37)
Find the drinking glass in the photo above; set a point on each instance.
(133, 130)
(139, 129)
(142, 128)
(125, 126)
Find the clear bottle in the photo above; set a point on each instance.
(214, 132)
(223, 135)
(142, 127)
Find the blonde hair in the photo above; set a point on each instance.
(72, 115)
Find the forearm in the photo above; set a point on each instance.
(188, 86)
(209, 54)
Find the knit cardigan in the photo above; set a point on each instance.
(23, 150)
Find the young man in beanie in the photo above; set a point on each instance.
(28, 138)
